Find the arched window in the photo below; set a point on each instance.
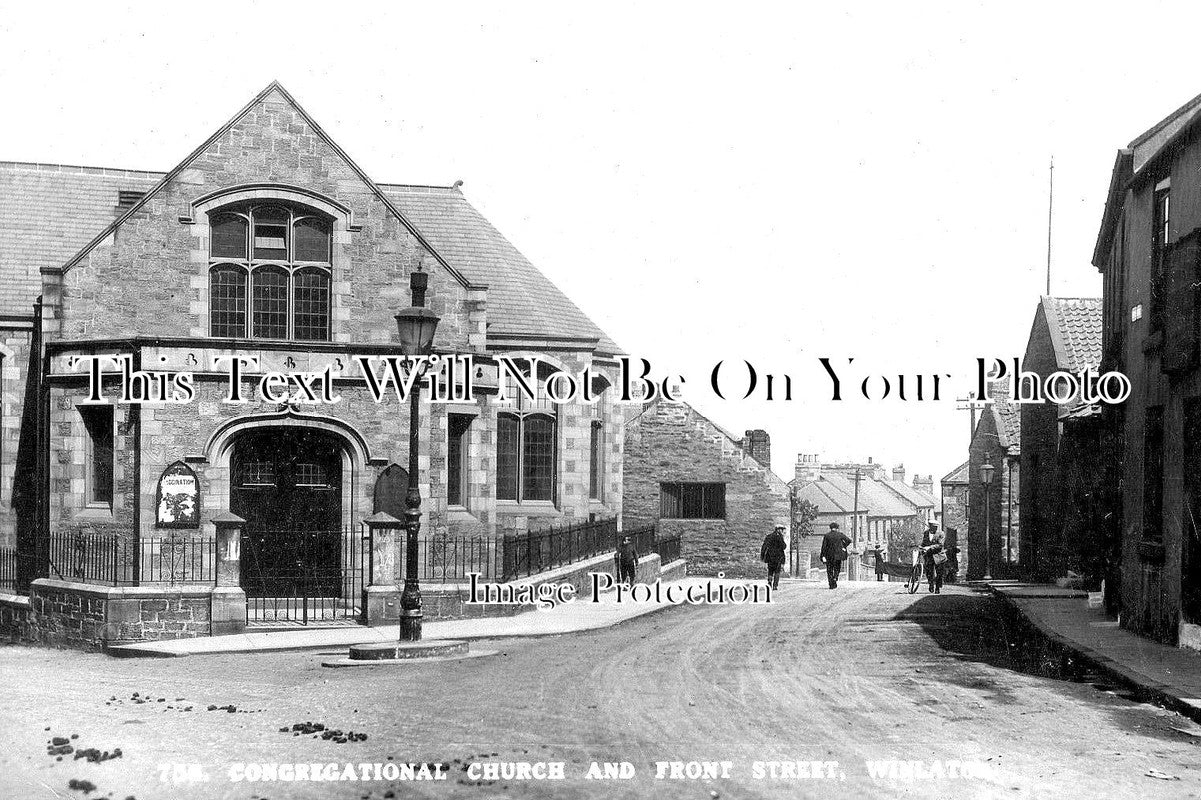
(270, 272)
(526, 446)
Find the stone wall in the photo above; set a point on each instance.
(88, 617)
(670, 442)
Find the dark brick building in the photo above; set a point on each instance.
(1060, 514)
(954, 515)
(1148, 252)
(996, 441)
(694, 478)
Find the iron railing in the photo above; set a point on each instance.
(8, 569)
(668, 550)
(109, 559)
(529, 553)
(643, 539)
(302, 577)
(451, 558)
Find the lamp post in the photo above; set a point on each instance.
(415, 326)
(986, 473)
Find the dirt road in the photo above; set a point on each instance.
(862, 674)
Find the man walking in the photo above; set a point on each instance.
(933, 556)
(772, 554)
(834, 552)
(627, 562)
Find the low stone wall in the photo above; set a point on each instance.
(448, 601)
(89, 617)
(674, 571)
(14, 618)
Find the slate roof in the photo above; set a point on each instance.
(1007, 416)
(958, 475)
(50, 215)
(877, 500)
(1151, 142)
(828, 498)
(48, 212)
(521, 300)
(1075, 326)
(910, 493)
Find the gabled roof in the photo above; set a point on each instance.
(521, 300)
(1075, 327)
(52, 215)
(1135, 161)
(48, 212)
(910, 494)
(958, 475)
(276, 91)
(828, 498)
(877, 500)
(1007, 417)
(1152, 142)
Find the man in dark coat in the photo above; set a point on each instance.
(627, 561)
(834, 552)
(772, 554)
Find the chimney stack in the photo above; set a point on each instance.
(757, 445)
(924, 484)
(898, 473)
(808, 468)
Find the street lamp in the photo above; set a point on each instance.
(986, 472)
(415, 326)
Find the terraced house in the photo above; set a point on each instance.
(268, 242)
(1149, 252)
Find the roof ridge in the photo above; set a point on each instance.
(1163, 123)
(81, 169)
(272, 87)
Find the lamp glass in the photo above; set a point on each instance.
(986, 472)
(415, 326)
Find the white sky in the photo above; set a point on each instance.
(767, 182)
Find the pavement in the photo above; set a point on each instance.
(1162, 673)
(864, 678)
(573, 617)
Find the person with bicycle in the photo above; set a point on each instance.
(934, 557)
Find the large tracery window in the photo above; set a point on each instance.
(269, 273)
(526, 438)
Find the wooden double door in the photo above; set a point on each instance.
(287, 484)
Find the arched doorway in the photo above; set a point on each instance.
(286, 482)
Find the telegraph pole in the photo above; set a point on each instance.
(1050, 206)
(854, 527)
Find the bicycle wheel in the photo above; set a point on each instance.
(915, 579)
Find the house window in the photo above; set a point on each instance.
(1153, 475)
(596, 462)
(98, 478)
(457, 429)
(526, 447)
(692, 500)
(1161, 220)
(269, 273)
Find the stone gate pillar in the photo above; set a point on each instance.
(228, 610)
(381, 595)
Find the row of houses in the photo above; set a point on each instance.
(873, 505)
(1100, 495)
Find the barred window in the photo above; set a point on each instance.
(270, 274)
(692, 500)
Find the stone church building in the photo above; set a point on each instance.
(268, 242)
